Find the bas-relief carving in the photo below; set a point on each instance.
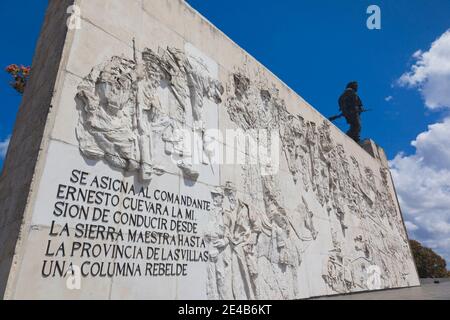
(257, 243)
(254, 254)
(121, 110)
(326, 174)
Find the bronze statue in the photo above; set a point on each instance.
(351, 107)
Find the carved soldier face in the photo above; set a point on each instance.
(216, 91)
(111, 96)
(281, 221)
(265, 96)
(231, 195)
(217, 200)
(241, 85)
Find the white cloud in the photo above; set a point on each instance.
(389, 98)
(423, 188)
(411, 226)
(4, 147)
(433, 146)
(423, 178)
(431, 73)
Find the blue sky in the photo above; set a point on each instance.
(20, 22)
(316, 47)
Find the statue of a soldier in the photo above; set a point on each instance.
(351, 107)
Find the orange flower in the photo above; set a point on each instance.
(20, 76)
(12, 68)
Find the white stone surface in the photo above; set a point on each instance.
(314, 221)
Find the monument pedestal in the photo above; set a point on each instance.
(375, 151)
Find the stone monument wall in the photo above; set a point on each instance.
(173, 165)
(16, 181)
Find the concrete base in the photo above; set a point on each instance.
(427, 291)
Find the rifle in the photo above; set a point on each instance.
(341, 115)
(143, 139)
